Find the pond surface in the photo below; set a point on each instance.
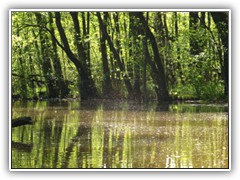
(120, 135)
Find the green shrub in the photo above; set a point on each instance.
(213, 91)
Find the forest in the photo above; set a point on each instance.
(121, 89)
(120, 55)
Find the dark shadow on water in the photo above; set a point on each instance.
(22, 147)
(109, 105)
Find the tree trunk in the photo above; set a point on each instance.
(145, 54)
(135, 52)
(62, 87)
(88, 41)
(162, 85)
(46, 61)
(193, 24)
(221, 21)
(154, 72)
(203, 41)
(87, 84)
(116, 55)
(178, 49)
(23, 82)
(86, 30)
(107, 84)
(117, 43)
(87, 88)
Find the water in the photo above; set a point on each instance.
(120, 135)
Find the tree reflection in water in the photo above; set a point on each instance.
(120, 135)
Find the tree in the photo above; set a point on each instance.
(107, 83)
(135, 52)
(161, 86)
(116, 55)
(132, 55)
(46, 57)
(61, 85)
(176, 29)
(193, 26)
(87, 87)
(221, 21)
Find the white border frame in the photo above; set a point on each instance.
(121, 10)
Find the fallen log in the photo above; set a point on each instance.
(21, 121)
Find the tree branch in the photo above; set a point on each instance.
(48, 30)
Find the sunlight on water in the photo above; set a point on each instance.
(120, 135)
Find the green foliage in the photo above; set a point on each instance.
(188, 76)
(213, 91)
(186, 91)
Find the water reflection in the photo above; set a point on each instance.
(120, 135)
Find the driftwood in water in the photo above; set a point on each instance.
(21, 121)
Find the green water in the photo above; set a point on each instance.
(120, 135)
